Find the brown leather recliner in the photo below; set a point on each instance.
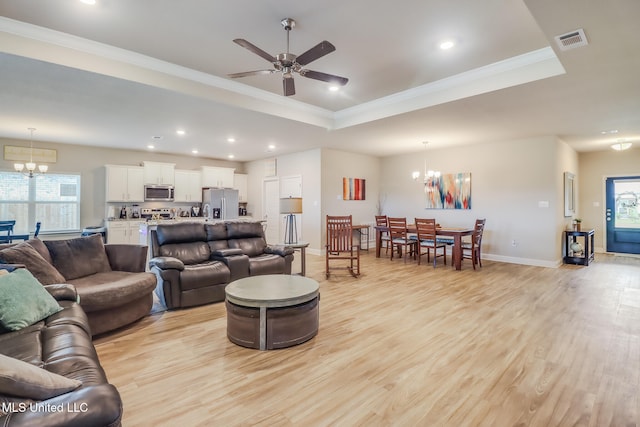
(263, 259)
(193, 262)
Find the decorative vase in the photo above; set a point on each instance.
(576, 226)
(577, 249)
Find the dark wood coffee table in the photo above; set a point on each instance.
(272, 311)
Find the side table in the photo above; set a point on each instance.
(272, 311)
(302, 247)
(578, 247)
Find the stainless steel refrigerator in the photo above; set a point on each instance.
(220, 203)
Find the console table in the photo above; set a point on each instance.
(363, 231)
(578, 247)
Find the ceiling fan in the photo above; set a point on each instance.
(288, 63)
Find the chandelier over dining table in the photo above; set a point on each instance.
(428, 173)
(29, 168)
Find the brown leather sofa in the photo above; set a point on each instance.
(111, 280)
(193, 262)
(61, 344)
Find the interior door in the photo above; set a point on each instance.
(271, 212)
(623, 214)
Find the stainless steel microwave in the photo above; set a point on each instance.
(162, 193)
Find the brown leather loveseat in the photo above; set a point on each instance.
(111, 280)
(193, 262)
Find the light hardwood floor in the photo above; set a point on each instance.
(404, 345)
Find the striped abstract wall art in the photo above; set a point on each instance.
(353, 189)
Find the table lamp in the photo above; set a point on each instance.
(291, 206)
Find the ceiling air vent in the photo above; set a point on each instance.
(572, 40)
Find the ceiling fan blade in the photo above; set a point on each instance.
(250, 73)
(318, 51)
(288, 86)
(255, 49)
(329, 78)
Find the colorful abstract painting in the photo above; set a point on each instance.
(353, 189)
(449, 191)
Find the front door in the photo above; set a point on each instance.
(623, 214)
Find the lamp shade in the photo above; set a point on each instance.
(291, 205)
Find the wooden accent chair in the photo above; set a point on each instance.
(472, 250)
(381, 221)
(400, 239)
(427, 240)
(340, 245)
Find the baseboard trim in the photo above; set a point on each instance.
(523, 261)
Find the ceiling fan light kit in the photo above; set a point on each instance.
(288, 63)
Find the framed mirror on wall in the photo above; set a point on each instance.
(569, 194)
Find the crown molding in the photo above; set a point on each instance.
(76, 50)
(57, 47)
(521, 69)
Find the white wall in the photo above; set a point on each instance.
(90, 161)
(337, 165)
(305, 164)
(321, 172)
(567, 162)
(508, 182)
(509, 179)
(594, 168)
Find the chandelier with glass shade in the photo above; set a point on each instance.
(29, 168)
(428, 174)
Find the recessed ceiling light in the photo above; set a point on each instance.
(91, 2)
(271, 147)
(334, 88)
(151, 146)
(181, 132)
(231, 156)
(613, 131)
(231, 140)
(194, 151)
(447, 44)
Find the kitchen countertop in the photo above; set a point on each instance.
(196, 219)
(151, 222)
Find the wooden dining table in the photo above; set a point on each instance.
(455, 232)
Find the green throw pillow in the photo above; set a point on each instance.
(23, 300)
(22, 379)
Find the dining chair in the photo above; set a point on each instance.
(472, 250)
(400, 239)
(427, 239)
(381, 221)
(6, 230)
(340, 245)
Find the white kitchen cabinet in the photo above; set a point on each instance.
(124, 183)
(214, 176)
(240, 181)
(159, 173)
(117, 232)
(188, 186)
(123, 232)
